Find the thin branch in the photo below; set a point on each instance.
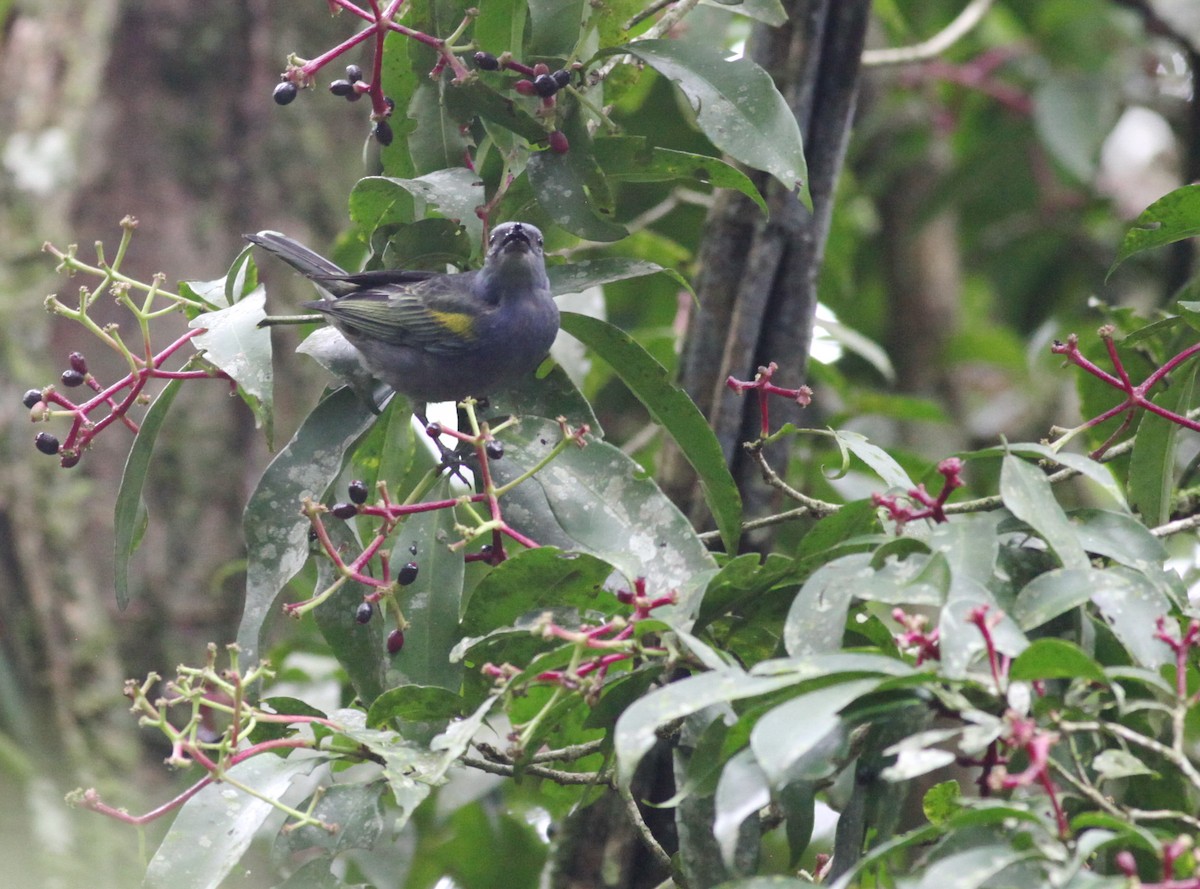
(558, 776)
(657, 852)
(1177, 526)
(963, 23)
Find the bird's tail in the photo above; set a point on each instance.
(311, 265)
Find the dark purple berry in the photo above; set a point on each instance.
(412, 548)
(71, 378)
(390, 102)
(46, 443)
(341, 87)
(66, 461)
(433, 430)
(395, 641)
(364, 612)
(545, 85)
(407, 574)
(525, 88)
(32, 397)
(625, 597)
(487, 61)
(344, 510)
(78, 362)
(562, 77)
(559, 143)
(285, 93)
(313, 536)
(383, 132)
(353, 73)
(353, 96)
(358, 491)
(494, 449)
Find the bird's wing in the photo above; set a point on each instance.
(436, 314)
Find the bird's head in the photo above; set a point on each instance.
(514, 237)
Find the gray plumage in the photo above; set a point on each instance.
(440, 337)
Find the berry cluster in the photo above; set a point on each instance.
(539, 81)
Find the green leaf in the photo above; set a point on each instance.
(470, 98)
(1113, 764)
(129, 516)
(673, 410)
(1171, 218)
(579, 276)
(1073, 114)
(817, 616)
(1055, 659)
(436, 141)
(354, 808)
(276, 533)
(941, 801)
(597, 500)
(216, 826)
(637, 727)
(414, 703)
(782, 736)
(233, 341)
(1085, 466)
(452, 193)
(556, 27)
(877, 459)
(1152, 464)
(533, 581)
(430, 603)
(736, 105)
(741, 792)
(359, 648)
(1029, 497)
(634, 159)
(972, 868)
(563, 194)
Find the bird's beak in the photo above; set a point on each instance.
(516, 238)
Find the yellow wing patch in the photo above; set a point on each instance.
(458, 323)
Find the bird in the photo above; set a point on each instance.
(433, 336)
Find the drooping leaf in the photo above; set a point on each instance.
(129, 516)
(634, 159)
(1173, 217)
(673, 410)
(579, 276)
(563, 194)
(233, 342)
(431, 602)
(1152, 464)
(276, 533)
(736, 105)
(215, 827)
(1055, 659)
(1029, 497)
(596, 500)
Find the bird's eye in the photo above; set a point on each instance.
(541, 240)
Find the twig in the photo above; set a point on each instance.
(963, 23)
(657, 852)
